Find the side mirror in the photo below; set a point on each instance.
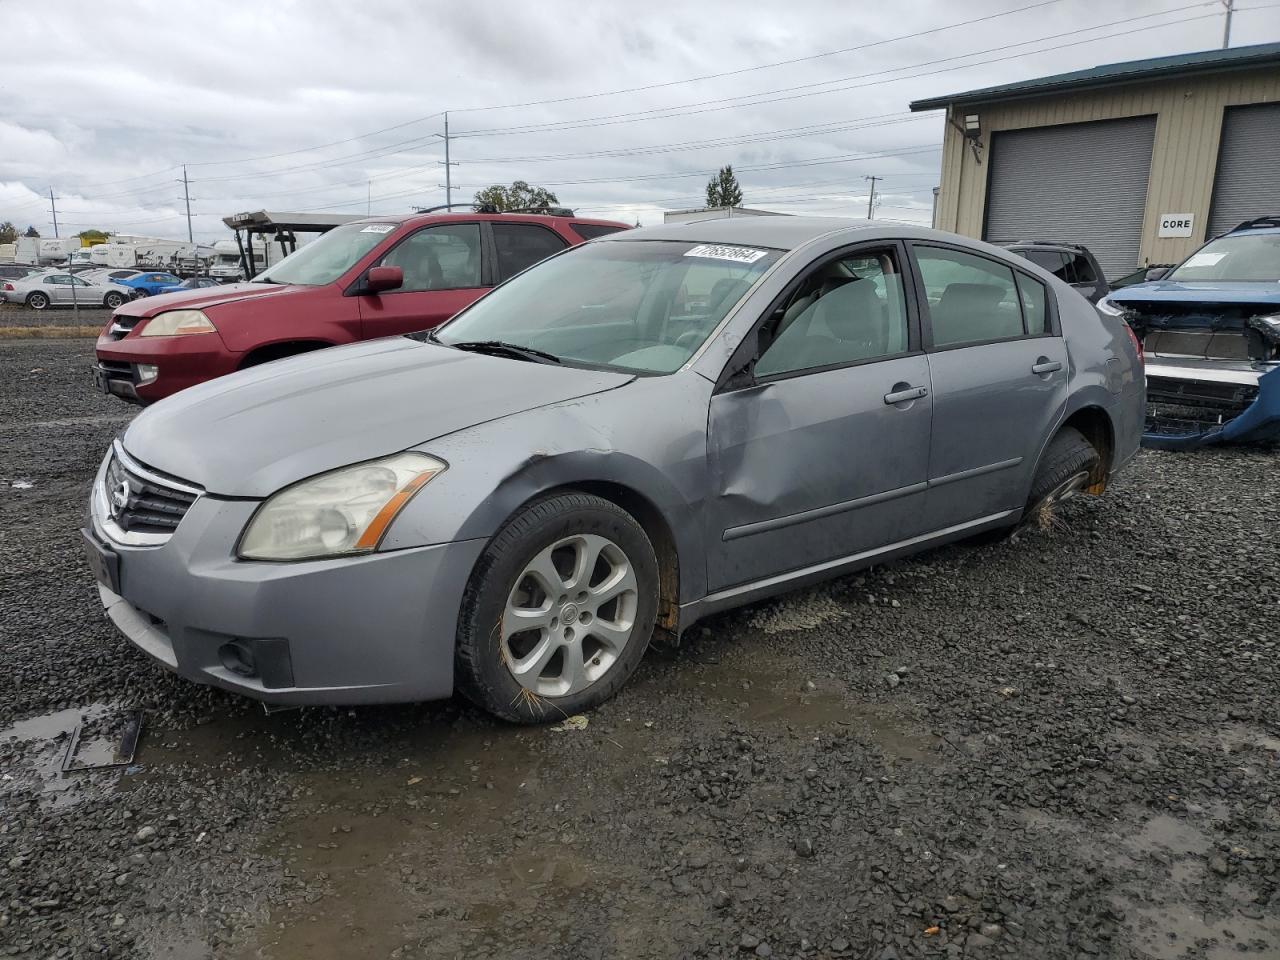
(381, 279)
(1156, 273)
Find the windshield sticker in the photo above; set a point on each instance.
(1204, 259)
(379, 228)
(714, 251)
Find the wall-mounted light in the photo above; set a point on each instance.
(972, 126)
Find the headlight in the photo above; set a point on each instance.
(1110, 307)
(177, 323)
(341, 512)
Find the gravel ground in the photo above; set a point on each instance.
(1064, 746)
(17, 315)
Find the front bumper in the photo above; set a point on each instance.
(1195, 381)
(377, 628)
(181, 362)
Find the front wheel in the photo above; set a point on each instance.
(38, 301)
(113, 300)
(559, 610)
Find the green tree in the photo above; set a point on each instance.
(31, 232)
(723, 189)
(518, 196)
(99, 236)
(8, 232)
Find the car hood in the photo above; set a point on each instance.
(1199, 291)
(253, 432)
(208, 297)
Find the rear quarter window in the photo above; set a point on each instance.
(589, 231)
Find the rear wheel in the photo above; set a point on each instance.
(1064, 471)
(559, 610)
(38, 301)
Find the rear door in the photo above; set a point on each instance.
(998, 366)
(519, 246)
(824, 454)
(445, 268)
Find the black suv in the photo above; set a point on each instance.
(1069, 262)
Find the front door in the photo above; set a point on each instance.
(999, 369)
(825, 453)
(445, 269)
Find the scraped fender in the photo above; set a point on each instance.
(495, 469)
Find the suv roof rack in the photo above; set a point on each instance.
(490, 208)
(1271, 221)
(1048, 243)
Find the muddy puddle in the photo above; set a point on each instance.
(33, 752)
(777, 695)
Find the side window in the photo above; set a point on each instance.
(589, 231)
(1050, 260)
(444, 257)
(848, 310)
(971, 298)
(521, 245)
(1034, 304)
(1080, 270)
(55, 280)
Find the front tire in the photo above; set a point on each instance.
(558, 611)
(113, 300)
(38, 301)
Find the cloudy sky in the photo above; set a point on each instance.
(622, 110)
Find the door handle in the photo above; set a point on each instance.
(1045, 365)
(902, 396)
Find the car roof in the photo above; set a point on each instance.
(779, 233)
(419, 219)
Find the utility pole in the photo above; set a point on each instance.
(448, 178)
(1226, 31)
(368, 197)
(53, 208)
(871, 200)
(186, 195)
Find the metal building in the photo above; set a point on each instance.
(1140, 161)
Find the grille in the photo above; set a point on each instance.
(1231, 396)
(144, 504)
(120, 326)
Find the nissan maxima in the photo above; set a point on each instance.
(629, 436)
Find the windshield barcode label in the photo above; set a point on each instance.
(714, 251)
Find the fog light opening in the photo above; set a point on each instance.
(238, 658)
(147, 372)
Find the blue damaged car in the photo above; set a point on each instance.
(1210, 330)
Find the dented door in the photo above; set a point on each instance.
(816, 467)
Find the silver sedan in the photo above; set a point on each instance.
(631, 435)
(53, 289)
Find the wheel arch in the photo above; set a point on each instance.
(656, 527)
(1094, 423)
(279, 349)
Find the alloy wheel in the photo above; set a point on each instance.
(569, 616)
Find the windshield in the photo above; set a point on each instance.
(1249, 256)
(329, 256)
(633, 305)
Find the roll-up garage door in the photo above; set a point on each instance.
(1079, 182)
(1248, 180)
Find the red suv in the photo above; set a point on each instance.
(371, 278)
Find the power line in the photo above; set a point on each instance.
(726, 103)
(762, 66)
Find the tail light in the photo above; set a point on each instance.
(8, 287)
(1137, 344)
